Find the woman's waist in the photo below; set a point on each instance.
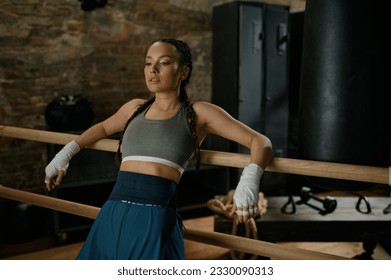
(151, 168)
(145, 189)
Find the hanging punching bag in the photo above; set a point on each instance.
(344, 104)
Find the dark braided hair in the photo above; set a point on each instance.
(185, 60)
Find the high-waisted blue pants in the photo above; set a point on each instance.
(139, 221)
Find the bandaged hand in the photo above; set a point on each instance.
(58, 167)
(246, 195)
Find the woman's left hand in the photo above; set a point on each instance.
(247, 193)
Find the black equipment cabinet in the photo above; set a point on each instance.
(251, 74)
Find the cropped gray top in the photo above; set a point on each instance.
(168, 141)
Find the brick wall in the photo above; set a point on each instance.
(51, 48)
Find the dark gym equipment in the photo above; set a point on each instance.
(251, 75)
(387, 210)
(344, 111)
(90, 5)
(87, 5)
(329, 203)
(69, 113)
(363, 200)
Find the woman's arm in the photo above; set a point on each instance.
(57, 168)
(213, 119)
(111, 125)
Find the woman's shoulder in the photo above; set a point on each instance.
(136, 102)
(208, 112)
(133, 104)
(206, 107)
(130, 107)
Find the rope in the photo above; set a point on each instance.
(224, 205)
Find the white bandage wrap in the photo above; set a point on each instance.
(242, 213)
(253, 211)
(61, 160)
(247, 191)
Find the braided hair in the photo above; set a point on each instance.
(185, 60)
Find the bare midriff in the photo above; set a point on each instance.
(151, 168)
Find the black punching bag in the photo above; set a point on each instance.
(344, 103)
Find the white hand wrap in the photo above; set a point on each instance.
(61, 161)
(247, 191)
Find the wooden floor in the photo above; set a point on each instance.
(198, 251)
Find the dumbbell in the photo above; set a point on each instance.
(329, 203)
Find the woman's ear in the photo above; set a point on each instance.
(184, 72)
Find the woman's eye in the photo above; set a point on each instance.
(164, 63)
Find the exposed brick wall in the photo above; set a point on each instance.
(50, 48)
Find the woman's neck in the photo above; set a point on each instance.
(163, 109)
(166, 104)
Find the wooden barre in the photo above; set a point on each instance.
(370, 174)
(256, 247)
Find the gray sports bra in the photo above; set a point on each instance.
(168, 141)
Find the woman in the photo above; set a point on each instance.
(160, 137)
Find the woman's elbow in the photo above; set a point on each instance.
(267, 147)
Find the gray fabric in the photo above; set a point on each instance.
(168, 139)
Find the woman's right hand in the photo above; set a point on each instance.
(52, 182)
(57, 168)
